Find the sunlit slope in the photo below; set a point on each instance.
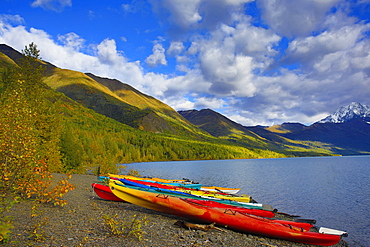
(159, 116)
(6, 62)
(93, 95)
(128, 106)
(125, 105)
(286, 128)
(90, 140)
(252, 137)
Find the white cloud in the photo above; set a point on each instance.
(183, 16)
(54, 5)
(209, 102)
(295, 18)
(72, 40)
(11, 19)
(158, 57)
(176, 47)
(181, 13)
(230, 56)
(313, 48)
(107, 52)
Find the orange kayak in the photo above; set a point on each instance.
(292, 231)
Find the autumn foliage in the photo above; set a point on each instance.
(29, 135)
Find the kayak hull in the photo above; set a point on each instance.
(104, 192)
(244, 222)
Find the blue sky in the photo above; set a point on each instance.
(259, 62)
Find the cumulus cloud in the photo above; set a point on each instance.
(295, 18)
(54, 5)
(72, 40)
(11, 19)
(175, 48)
(158, 56)
(182, 16)
(311, 49)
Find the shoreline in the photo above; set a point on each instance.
(81, 223)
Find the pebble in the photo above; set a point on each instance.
(82, 219)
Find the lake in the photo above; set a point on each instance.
(333, 190)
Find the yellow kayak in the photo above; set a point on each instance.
(221, 189)
(219, 195)
(169, 181)
(190, 191)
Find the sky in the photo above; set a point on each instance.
(258, 62)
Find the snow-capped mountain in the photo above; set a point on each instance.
(348, 113)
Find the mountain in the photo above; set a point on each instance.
(348, 113)
(193, 129)
(212, 122)
(152, 114)
(113, 99)
(252, 137)
(346, 131)
(104, 122)
(348, 138)
(286, 128)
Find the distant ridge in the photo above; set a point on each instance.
(348, 113)
(345, 132)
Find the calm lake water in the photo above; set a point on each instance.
(333, 190)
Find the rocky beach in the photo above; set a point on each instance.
(89, 221)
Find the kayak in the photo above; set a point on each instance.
(179, 183)
(233, 209)
(301, 223)
(183, 183)
(196, 192)
(240, 221)
(104, 192)
(221, 189)
(162, 180)
(172, 187)
(134, 195)
(165, 192)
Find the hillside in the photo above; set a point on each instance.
(156, 117)
(114, 99)
(252, 137)
(102, 127)
(123, 103)
(347, 130)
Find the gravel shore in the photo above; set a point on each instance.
(81, 223)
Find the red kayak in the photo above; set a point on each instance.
(104, 192)
(233, 209)
(244, 222)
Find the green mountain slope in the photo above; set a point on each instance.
(115, 99)
(158, 117)
(252, 137)
(90, 139)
